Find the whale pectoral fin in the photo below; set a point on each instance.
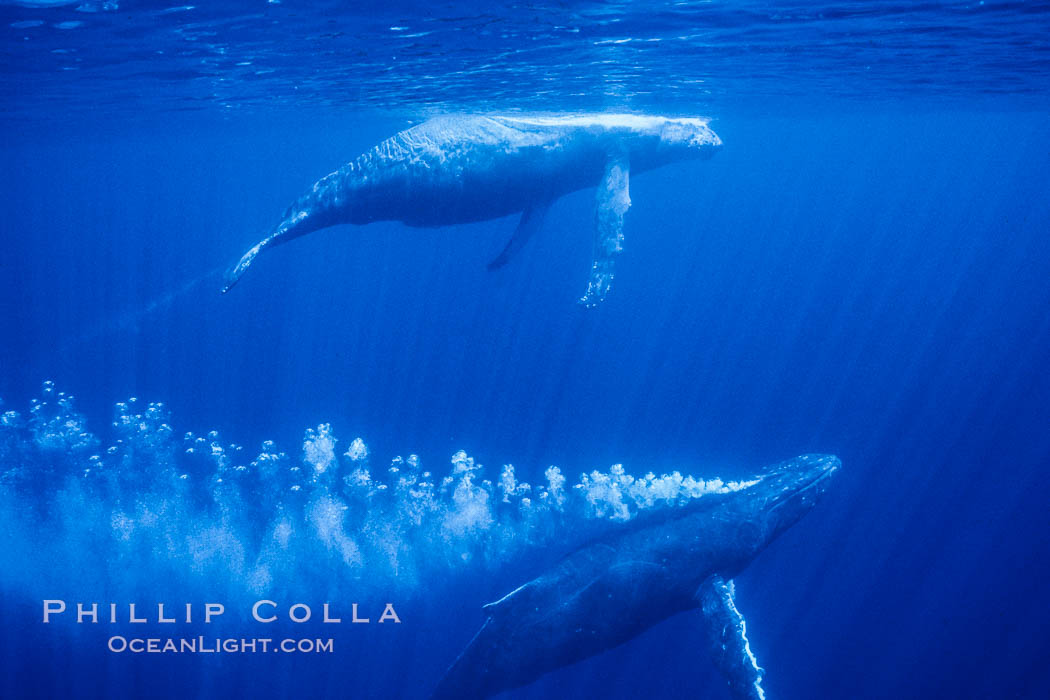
(614, 200)
(531, 219)
(727, 639)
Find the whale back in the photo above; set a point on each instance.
(463, 169)
(451, 170)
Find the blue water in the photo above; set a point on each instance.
(861, 270)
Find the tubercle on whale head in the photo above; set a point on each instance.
(692, 133)
(785, 494)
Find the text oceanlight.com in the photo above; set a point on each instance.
(215, 645)
(262, 612)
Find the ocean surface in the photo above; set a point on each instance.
(371, 416)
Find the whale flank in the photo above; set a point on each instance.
(462, 169)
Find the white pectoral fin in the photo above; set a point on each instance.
(727, 639)
(531, 220)
(614, 200)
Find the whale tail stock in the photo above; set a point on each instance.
(235, 272)
(296, 224)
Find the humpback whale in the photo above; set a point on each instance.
(461, 169)
(654, 566)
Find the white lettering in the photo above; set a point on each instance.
(81, 613)
(213, 609)
(259, 604)
(291, 612)
(389, 614)
(53, 606)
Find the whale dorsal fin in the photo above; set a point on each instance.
(510, 601)
(727, 639)
(531, 220)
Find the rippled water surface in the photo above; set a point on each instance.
(120, 56)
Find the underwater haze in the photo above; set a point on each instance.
(372, 416)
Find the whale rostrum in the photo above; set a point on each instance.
(461, 169)
(659, 564)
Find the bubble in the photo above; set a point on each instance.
(358, 451)
(319, 448)
(159, 507)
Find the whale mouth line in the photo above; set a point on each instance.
(824, 475)
(830, 467)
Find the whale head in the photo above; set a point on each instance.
(659, 141)
(782, 496)
(791, 489)
(688, 136)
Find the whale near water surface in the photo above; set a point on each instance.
(468, 168)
